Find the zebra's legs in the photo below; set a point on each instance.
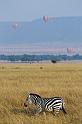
(55, 111)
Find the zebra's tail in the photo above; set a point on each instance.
(64, 110)
(63, 107)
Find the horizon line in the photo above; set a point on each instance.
(31, 20)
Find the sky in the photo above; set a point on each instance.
(27, 10)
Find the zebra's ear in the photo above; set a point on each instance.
(29, 94)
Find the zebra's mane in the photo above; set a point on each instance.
(35, 95)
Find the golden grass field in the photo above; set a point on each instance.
(61, 79)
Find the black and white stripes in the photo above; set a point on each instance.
(54, 104)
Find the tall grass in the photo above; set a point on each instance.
(17, 80)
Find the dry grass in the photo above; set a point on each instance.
(17, 80)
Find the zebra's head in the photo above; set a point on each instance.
(32, 99)
(28, 100)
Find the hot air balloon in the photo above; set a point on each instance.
(15, 25)
(70, 50)
(45, 19)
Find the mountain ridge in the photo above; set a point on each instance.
(59, 31)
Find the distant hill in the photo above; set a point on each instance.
(57, 31)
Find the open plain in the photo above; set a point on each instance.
(47, 80)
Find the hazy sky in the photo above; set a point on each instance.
(25, 10)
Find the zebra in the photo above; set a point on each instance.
(53, 104)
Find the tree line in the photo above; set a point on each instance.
(30, 58)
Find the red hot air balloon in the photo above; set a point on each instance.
(45, 18)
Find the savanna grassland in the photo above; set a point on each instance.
(61, 79)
